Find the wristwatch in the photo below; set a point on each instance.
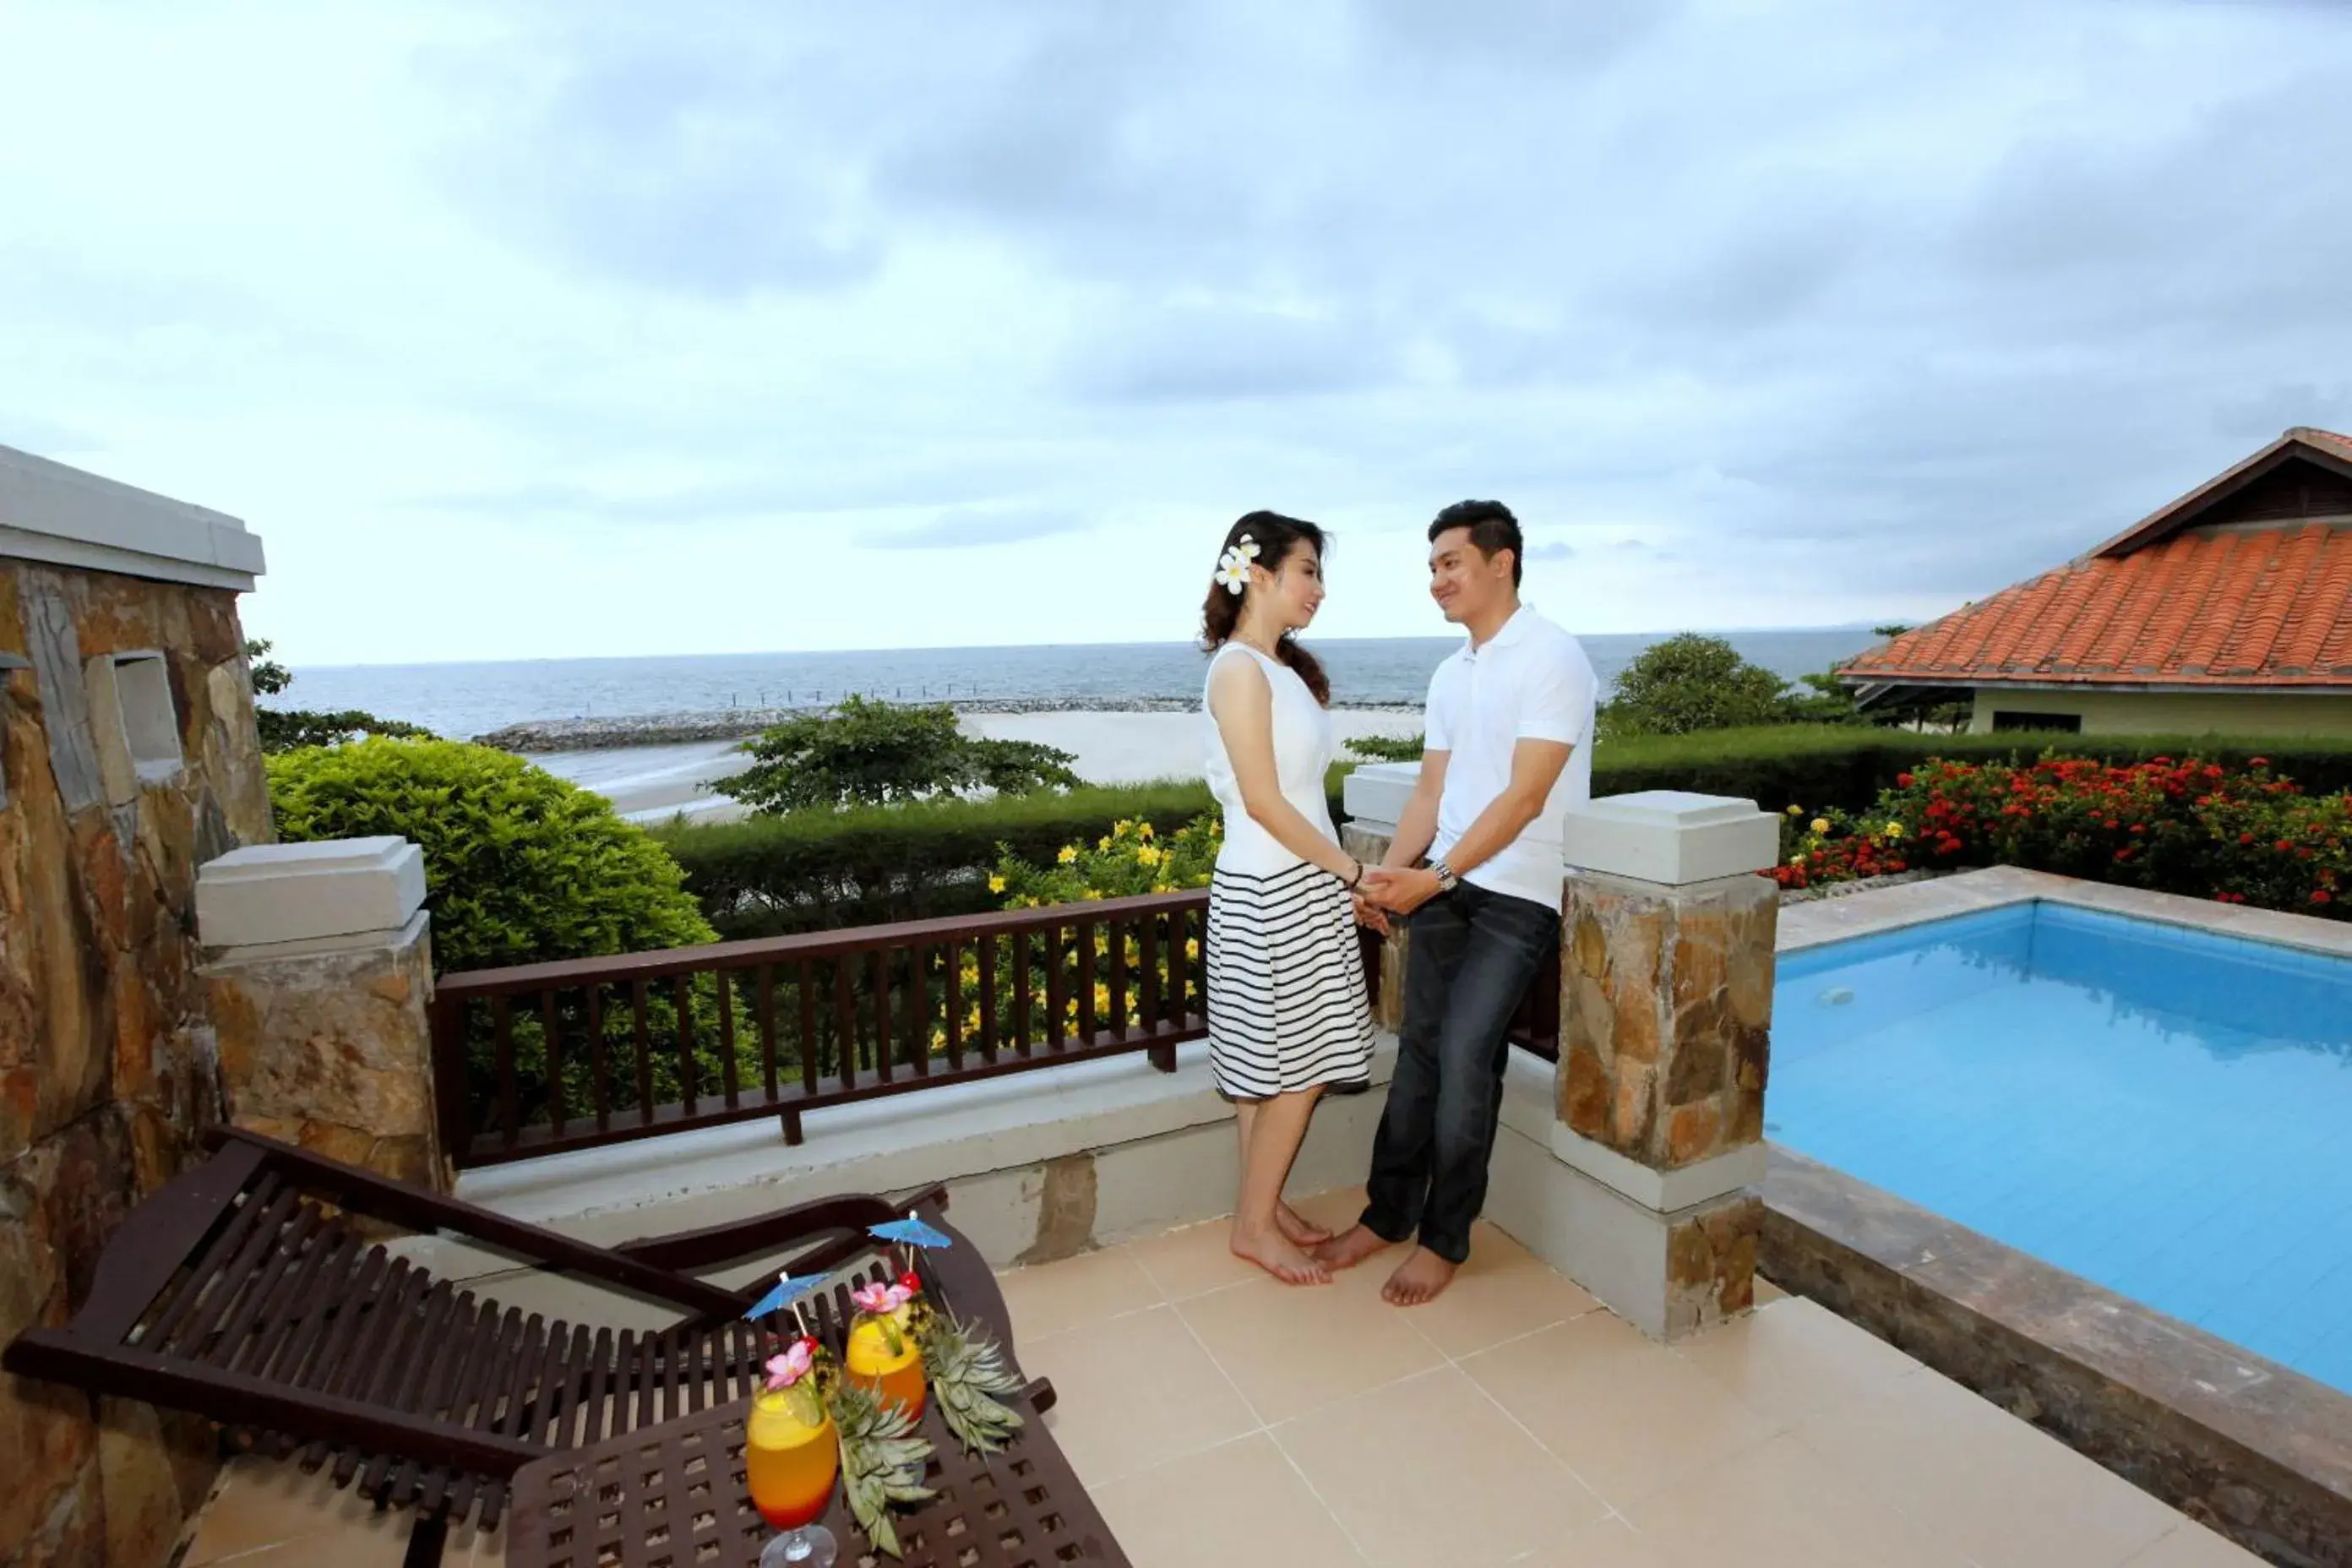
(1446, 880)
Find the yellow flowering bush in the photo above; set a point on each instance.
(1131, 861)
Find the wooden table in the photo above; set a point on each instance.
(672, 1496)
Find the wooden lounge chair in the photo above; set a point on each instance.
(245, 1291)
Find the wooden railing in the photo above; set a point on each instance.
(1535, 1027)
(550, 1057)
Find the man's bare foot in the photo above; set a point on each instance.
(1420, 1278)
(1272, 1252)
(1297, 1230)
(1351, 1247)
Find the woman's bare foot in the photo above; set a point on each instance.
(1296, 1230)
(1346, 1251)
(1421, 1278)
(1272, 1252)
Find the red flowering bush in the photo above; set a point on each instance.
(2242, 835)
(1835, 846)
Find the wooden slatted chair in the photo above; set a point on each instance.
(245, 1291)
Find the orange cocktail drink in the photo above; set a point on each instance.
(792, 1456)
(882, 1353)
(895, 1374)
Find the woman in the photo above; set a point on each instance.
(1286, 1010)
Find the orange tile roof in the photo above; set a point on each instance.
(2263, 606)
(2328, 439)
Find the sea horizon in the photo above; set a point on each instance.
(1645, 637)
(462, 699)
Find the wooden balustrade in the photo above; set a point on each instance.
(1535, 1027)
(548, 1057)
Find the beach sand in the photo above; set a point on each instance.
(651, 783)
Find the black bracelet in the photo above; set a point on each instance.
(1357, 879)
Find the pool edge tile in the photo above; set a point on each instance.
(2200, 1423)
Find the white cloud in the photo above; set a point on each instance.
(537, 327)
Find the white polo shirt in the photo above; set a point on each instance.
(1530, 682)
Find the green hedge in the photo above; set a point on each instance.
(1847, 765)
(823, 869)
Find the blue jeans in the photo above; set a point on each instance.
(1471, 957)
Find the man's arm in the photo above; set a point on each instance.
(1536, 766)
(1416, 830)
(1416, 827)
(1555, 718)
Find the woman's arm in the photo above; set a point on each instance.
(1242, 702)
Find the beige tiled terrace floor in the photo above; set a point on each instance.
(1222, 1421)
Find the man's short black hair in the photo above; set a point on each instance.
(1492, 527)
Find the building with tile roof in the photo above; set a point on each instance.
(2226, 611)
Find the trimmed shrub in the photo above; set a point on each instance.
(822, 871)
(520, 866)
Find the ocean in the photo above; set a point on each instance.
(463, 700)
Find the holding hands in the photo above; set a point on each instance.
(1384, 891)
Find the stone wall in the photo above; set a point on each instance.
(332, 1051)
(108, 1067)
(1644, 969)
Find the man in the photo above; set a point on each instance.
(1509, 730)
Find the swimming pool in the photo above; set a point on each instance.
(2162, 1110)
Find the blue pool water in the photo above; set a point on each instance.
(2165, 1112)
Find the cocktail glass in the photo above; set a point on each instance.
(791, 1458)
(882, 1356)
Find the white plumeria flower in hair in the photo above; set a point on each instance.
(1247, 546)
(1233, 571)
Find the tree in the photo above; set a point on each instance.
(1690, 682)
(1831, 702)
(1911, 713)
(270, 677)
(291, 729)
(867, 752)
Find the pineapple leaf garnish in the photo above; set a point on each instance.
(881, 1462)
(966, 1371)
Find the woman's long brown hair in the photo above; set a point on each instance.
(1275, 536)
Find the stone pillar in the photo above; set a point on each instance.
(1374, 796)
(318, 968)
(1667, 961)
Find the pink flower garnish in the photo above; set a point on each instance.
(785, 1370)
(880, 1300)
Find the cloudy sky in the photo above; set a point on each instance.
(567, 328)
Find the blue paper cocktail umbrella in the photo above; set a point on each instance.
(910, 1232)
(787, 1293)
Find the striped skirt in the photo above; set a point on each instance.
(1287, 1008)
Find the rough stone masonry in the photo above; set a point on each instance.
(107, 1062)
(1665, 1016)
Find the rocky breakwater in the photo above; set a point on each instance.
(741, 723)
